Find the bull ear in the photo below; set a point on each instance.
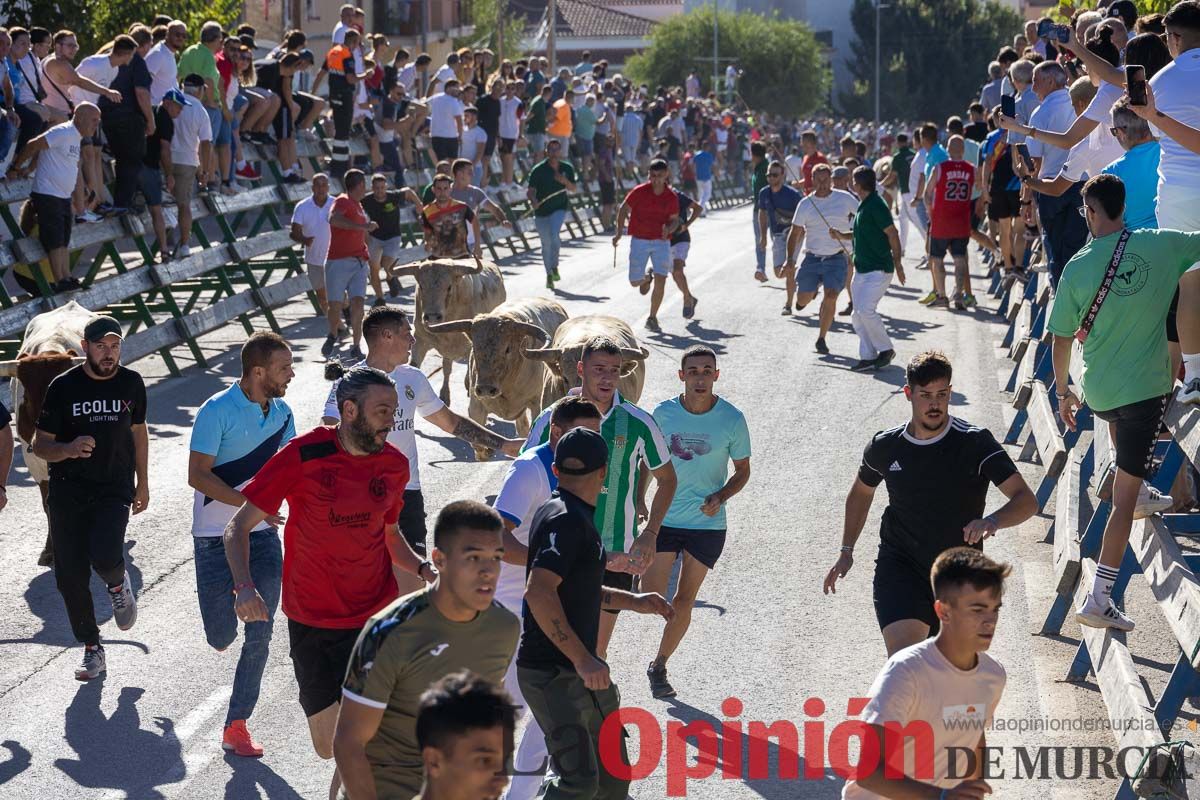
(454, 326)
(548, 355)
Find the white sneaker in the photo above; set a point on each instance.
(183, 251)
(93, 664)
(1151, 501)
(1190, 393)
(124, 604)
(1095, 615)
(90, 216)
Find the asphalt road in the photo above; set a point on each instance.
(763, 632)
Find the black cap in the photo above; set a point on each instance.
(193, 80)
(100, 327)
(580, 451)
(307, 55)
(1125, 9)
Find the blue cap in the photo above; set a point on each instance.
(177, 96)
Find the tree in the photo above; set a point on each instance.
(1066, 9)
(488, 16)
(96, 23)
(934, 55)
(783, 63)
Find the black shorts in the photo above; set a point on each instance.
(284, 125)
(507, 146)
(412, 521)
(54, 218)
(1004, 205)
(1137, 426)
(975, 220)
(901, 590)
(608, 193)
(319, 659)
(490, 147)
(704, 546)
(1172, 328)
(956, 247)
(445, 148)
(617, 580)
(306, 102)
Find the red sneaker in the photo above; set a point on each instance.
(249, 173)
(237, 740)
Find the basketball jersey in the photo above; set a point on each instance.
(950, 217)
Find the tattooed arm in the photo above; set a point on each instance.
(473, 433)
(541, 594)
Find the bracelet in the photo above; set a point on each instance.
(1026, 202)
(1064, 395)
(847, 548)
(238, 587)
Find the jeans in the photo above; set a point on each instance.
(1064, 232)
(214, 589)
(868, 289)
(760, 247)
(8, 135)
(549, 229)
(126, 134)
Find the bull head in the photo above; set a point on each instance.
(435, 278)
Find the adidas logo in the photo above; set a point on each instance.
(895, 467)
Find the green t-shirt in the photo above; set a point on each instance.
(535, 119)
(872, 250)
(199, 59)
(401, 650)
(758, 180)
(552, 196)
(632, 436)
(902, 165)
(1125, 357)
(585, 123)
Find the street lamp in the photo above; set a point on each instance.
(878, 7)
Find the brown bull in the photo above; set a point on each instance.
(561, 357)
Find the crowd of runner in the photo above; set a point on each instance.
(1078, 158)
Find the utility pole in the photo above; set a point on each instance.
(551, 20)
(879, 5)
(500, 30)
(715, 73)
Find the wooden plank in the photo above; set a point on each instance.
(1025, 374)
(245, 201)
(1102, 478)
(102, 294)
(13, 320)
(282, 291)
(1022, 324)
(15, 191)
(1044, 429)
(145, 342)
(216, 315)
(1173, 583)
(1069, 522)
(1124, 695)
(1183, 421)
(7, 259)
(201, 260)
(246, 249)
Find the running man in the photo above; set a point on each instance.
(948, 683)
(551, 181)
(653, 214)
(948, 197)
(346, 263)
(681, 243)
(389, 338)
(343, 486)
(937, 468)
(777, 204)
(453, 625)
(235, 432)
(382, 206)
(706, 432)
(633, 438)
(824, 263)
(92, 433)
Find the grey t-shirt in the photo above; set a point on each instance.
(471, 195)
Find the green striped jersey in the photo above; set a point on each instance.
(632, 436)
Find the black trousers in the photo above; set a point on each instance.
(87, 529)
(126, 134)
(1064, 232)
(31, 125)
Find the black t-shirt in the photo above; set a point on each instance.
(5, 417)
(164, 131)
(685, 205)
(935, 486)
(385, 212)
(563, 539)
(267, 75)
(134, 75)
(489, 115)
(78, 405)
(976, 131)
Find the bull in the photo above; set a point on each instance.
(561, 357)
(448, 290)
(500, 381)
(49, 348)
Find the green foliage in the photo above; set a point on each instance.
(784, 65)
(1066, 9)
(488, 16)
(95, 22)
(934, 55)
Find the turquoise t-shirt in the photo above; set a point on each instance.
(937, 154)
(1138, 170)
(701, 446)
(585, 123)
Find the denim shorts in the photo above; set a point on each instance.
(222, 133)
(585, 146)
(345, 277)
(151, 182)
(386, 248)
(827, 271)
(656, 251)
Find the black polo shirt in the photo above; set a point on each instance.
(132, 76)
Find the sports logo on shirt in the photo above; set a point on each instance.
(437, 651)
(409, 393)
(895, 467)
(327, 480)
(1131, 276)
(378, 488)
(553, 548)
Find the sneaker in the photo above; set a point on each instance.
(847, 311)
(652, 323)
(88, 216)
(555, 275)
(787, 310)
(923, 263)
(294, 178)
(1095, 615)
(356, 353)
(929, 298)
(940, 302)
(249, 173)
(93, 665)
(236, 740)
(760, 276)
(1151, 501)
(394, 287)
(1190, 393)
(959, 305)
(660, 687)
(969, 301)
(800, 306)
(864, 365)
(689, 311)
(183, 251)
(327, 348)
(884, 358)
(550, 281)
(822, 348)
(124, 604)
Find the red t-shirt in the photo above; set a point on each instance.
(650, 211)
(347, 242)
(950, 216)
(806, 168)
(225, 70)
(337, 571)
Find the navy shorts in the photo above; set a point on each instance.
(151, 181)
(956, 247)
(703, 545)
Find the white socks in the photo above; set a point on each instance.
(1191, 367)
(1103, 584)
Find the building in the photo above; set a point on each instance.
(609, 29)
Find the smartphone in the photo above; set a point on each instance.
(1135, 83)
(1048, 29)
(1008, 105)
(1023, 152)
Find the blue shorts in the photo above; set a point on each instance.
(222, 132)
(345, 278)
(703, 545)
(827, 271)
(657, 251)
(151, 182)
(586, 147)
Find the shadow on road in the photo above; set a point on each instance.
(116, 752)
(251, 774)
(20, 761)
(562, 294)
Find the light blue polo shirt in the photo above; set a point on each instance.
(241, 438)
(1138, 170)
(936, 155)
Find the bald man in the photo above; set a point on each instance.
(948, 198)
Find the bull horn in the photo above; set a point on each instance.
(454, 326)
(639, 354)
(547, 354)
(407, 269)
(8, 369)
(457, 267)
(536, 331)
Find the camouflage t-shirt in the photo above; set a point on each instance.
(446, 228)
(401, 650)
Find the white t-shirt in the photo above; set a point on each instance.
(444, 73)
(416, 396)
(1177, 94)
(192, 127)
(473, 142)
(164, 71)
(920, 684)
(527, 485)
(339, 32)
(916, 169)
(443, 108)
(29, 72)
(314, 221)
(839, 208)
(509, 123)
(1091, 154)
(58, 165)
(794, 163)
(407, 77)
(98, 70)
